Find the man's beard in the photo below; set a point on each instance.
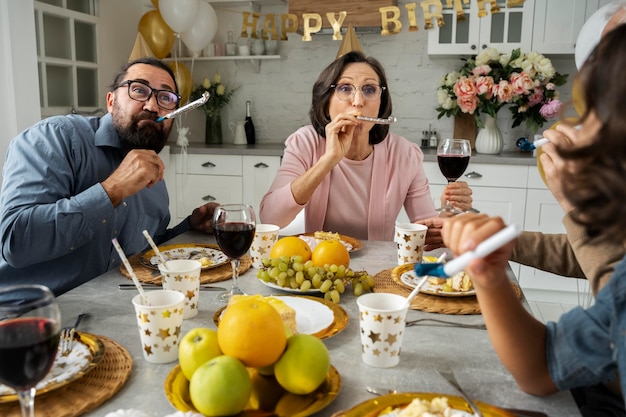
(150, 136)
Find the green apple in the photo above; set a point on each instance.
(220, 387)
(303, 365)
(198, 346)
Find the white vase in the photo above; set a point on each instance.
(489, 139)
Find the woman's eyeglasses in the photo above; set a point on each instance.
(347, 91)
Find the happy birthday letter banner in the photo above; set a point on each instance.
(389, 19)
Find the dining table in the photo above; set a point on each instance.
(426, 347)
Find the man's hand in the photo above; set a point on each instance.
(202, 218)
(139, 169)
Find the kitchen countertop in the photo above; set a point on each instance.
(276, 149)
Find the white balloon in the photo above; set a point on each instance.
(179, 14)
(590, 34)
(203, 29)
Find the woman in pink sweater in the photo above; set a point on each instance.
(353, 176)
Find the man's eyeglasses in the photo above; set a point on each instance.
(140, 91)
(347, 91)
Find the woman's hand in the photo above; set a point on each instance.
(465, 232)
(340, 133)
(459, 194)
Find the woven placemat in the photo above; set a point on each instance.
(152, 276)
(86, 393)
(383, 282)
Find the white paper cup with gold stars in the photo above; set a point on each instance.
(382, 322)
(265, 235)
(183, 275)
(160, 323)
(410, 239)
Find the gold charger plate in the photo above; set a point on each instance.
(310, 315)
(183, 251)
(355, 243)
(428, 288)
(376, 406)
(87, 352)
(268, 397)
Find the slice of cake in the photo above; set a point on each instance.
(287, 314)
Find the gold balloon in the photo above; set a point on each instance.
(155, 3)
(157, 33)
(183, 79)
(577, 98)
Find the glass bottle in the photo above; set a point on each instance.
(231, 46)
(249, 126)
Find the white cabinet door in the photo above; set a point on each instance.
(556, 25)
(544, 214)
(258, 174)
(196, 190)
(507, 29)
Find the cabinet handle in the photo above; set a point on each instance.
(484, 46)
(208, 197)
(473, 174)
(473, 47)
(261, 165)
(209, 164)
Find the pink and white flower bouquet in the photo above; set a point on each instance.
(491, 80)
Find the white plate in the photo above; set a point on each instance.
(411, 279)
(192, 251)
(291, 290)
(311, 316)
(84, 355)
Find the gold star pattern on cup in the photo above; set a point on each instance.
(375, 337)
(407, 238)
(391, 338)
(148, 349)
(144, 318)
(378, 318)
(166, 314)
(190, 294)
(164, 333)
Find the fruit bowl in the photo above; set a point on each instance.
(267, 399)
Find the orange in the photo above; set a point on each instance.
(252, 331)
(331, 252)
(291, 246)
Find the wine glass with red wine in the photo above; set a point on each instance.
(233, 226)
(30, 325)
(453, 156)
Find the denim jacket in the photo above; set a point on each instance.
(588, 346)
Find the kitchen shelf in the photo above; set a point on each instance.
(255, 60)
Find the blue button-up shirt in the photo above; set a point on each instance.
(57, 222)
(588, 346)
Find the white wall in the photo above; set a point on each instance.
(19, 81)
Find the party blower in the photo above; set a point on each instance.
(458, 264)
(189, 106)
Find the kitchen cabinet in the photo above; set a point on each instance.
(237, 179)
(506, 30)
(544, 214)
(558, 22)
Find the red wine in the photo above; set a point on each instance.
(234, 238)
(452, 166)
(28, 348)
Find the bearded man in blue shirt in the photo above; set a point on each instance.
(72, 183)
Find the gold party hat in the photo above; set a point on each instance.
(141, 49)
(350, 42)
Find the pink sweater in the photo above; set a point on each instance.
(398, 179)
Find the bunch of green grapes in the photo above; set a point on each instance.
(331, 280)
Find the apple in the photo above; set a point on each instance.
(220, 387)
(303, 366)
(198, 346)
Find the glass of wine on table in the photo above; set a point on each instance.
(233, 226)
(30, 325)
(453, 156)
